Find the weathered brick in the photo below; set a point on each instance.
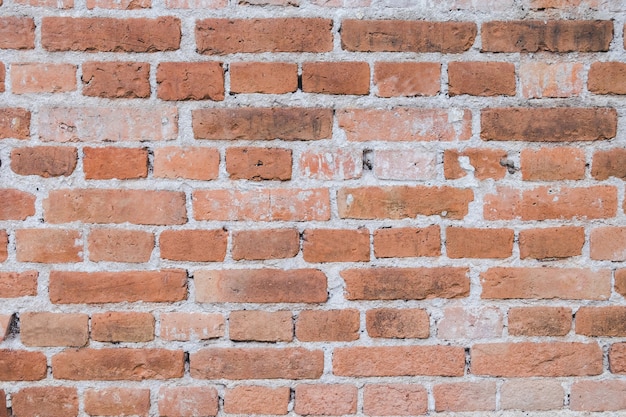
(121, 163)
(551, 242)
(46, 401)
(608, 243)
(188, 401)
(259, 163)
(117, 402)
(229, 36)
(407, 79)
(102, 34)
(394, 399)
(405, 283)
(328, 325)
(261, 326)
(261, 286)
(410, 323)
(617, 358)
(54, 329)
(486, 163)
(325, 399)
(62, 4)
(531, 394)
(5, 326)
(406, 36)
(263, 77)
(555, 124)
(336, 77)
(119, 4)
(393, 164)
(191, 326)
(118, 364)
(343, 163)
(552, 164)
(193, 245)
(546, 283)
(620, 282)
(462, 242)
(252, 399)
(186, 162)
(16, 204)
(18, 284)
(609, 163)
(45, 161)
(598, 395)
(540, 321)
(17, 32)
(407, 242)
(49, 245)
(116, 79)
(256, 363)
(14, 123)
(116, 287)
(195, 4)
(403, 124)
(190, 81)
(551, 79)
(470, 323)
(117, 245)
(42, 78)
(601, 321)
(481, 78)
(607, 78)
(333, 245)
(465, 396)
(20, 365)
(265, 244)
(2, 90)
(118, 326)
(4, 245)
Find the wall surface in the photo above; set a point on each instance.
(312, 207)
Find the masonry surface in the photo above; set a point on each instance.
(312, 207)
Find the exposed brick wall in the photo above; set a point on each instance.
(312, 207)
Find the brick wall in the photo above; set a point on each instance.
(312, 207)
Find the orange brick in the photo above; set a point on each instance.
(2, 90)
(16, 204)
(601, 321)
(17, 32)
(598, 395)
(54, 329)
(263, 77)
(328, 245)
(327, 325)
(465, 396)
(540, 321)
(193, 245)
(405, 283)
(336, 77)
(617, 358)
(116, 79)
(479, 243)
(190, 81)
(117, 326)
(407, 79)
(553, 164)
(394, 399)
(259, 163)
(63, 4)
(49, 245)
(487, 163)
(18, 284)
(331, 163)
(120, 163)
(14, 123)
(187, 162)
(20, 365)
(48, 401)
(42, 78)
(470, 323)
(4, 243)
(398, 323)
(551, 242)
(607, 78)
(117, 402)
(265, 244)
(5, 326)
(531, 394)
(326, 400)
(251, 399)
(117, 245)
(609, 163)
(608, 243)
(407, 242)
(188, 401)
(481, 78)
(551, 79)
(45, 161)
(620, 282)
(261, 326)
(398, 125)
(191, 326)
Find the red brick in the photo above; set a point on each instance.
(545, 203)
(190, 81)
(547, 35)
(546, 283)
(331, 163)
(407, 242)
(263, 77)
(18, 284)
(20, 365)
(407, 79)
(261, 326)
(191, 326)
(601, 321)
(263, 123)
(262, 204)
(49, 245)
(394, 400)
(251, 399)
(551, 242)
(193, 245)
(116, 245)
(5, 326)
(391, 164)
(406, 36)
(465, 396)
(4, 243)
(328, 245)
(609, 163)
(119, 4)
(569, 5)
(115, 206)
(326, 400)
(258, 163)
(405, 283)
(120, 163)
(470, 323)
(328, 325)
(620, 282)
(531, 395)
(63, 4)
(336, 77)
(556, 124)
(4, 412)
(119, 124)
(540, 321)
(265, 244)
(256, 363)
(188, 401)
(186, 162)
(405, 124)
(607, 78)
(45, 401)
(45, 161)
(394, 323)
(2, 90)
(487, 163)
(403, 201)
(116, 287)
(117, 402)
(551, 79)
(42, 78)
(605, 395)
(464, 242)
(608, 243)
(117, 326)
(101, 34)
(617, 358)
(481, 78)
(17, 32)
(14, 123)
(118, 364)
(261, 286)
(116, 79)
(553, 164)
(54, 329)
(399, 361)
(557, 359)
(16, 204)
(229, 36)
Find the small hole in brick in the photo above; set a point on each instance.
(368, 159)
